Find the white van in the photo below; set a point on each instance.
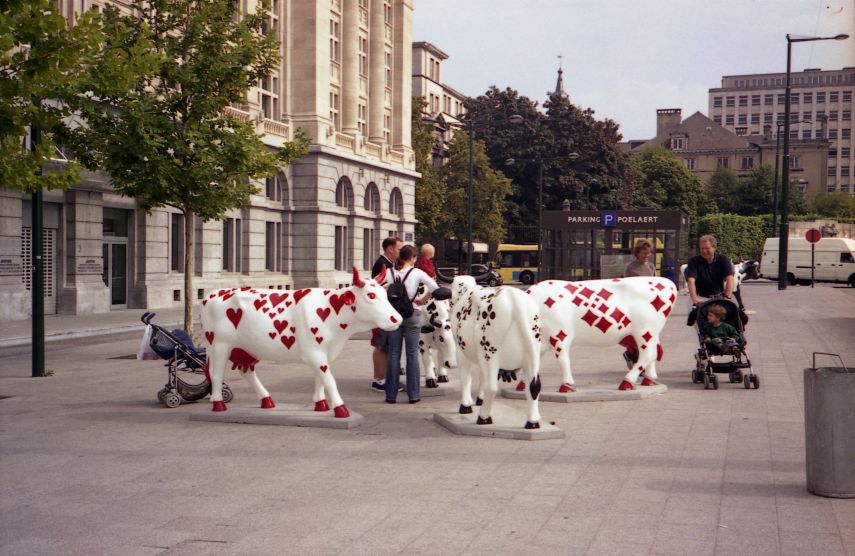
(834, 260)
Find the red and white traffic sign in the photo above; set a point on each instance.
(813, 235)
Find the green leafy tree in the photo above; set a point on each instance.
(838, 204)
(166, 137)
(41, 58)
(721, 189)
(430, 189)
(754, 193)
(490, 189)
(664, 182)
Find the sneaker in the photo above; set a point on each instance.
(380, 386)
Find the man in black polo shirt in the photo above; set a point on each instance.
(708, 273)
(391, 247)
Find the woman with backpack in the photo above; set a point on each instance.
(403, 288)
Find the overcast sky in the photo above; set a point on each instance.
(626, 58)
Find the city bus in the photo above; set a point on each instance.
(517, 263)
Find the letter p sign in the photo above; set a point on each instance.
(608, 219)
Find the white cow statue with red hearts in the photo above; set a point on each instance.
(629, 312)
(246, 325)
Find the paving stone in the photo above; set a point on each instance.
(598, 393)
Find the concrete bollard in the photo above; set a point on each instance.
(830, 431)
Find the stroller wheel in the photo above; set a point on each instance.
(738, 375)
(714, 380)
(756, 381)
(228, 396)
(707, 384)
(746, 381)
(171, 399)
(162, 392)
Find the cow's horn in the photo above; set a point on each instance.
(357, 281)
(380, 278)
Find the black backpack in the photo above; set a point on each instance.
(398, 297)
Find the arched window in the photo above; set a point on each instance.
(276, 187)
(344, 193)
(396, 203)
(372, 197)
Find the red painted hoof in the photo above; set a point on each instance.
(322, 406)
(267, 403)
(564, 388)
(219, 406)
(648, 382)
(625, 385)
(521, 386)
(341, 412)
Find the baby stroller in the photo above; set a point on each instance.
(186, 379)
(730, 359)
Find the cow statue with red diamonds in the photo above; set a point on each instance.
(629, 312)
(495, 329)
(243, 326)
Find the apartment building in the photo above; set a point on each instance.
(346, 80)
(704, 146)
(745, 104)
(444, 105)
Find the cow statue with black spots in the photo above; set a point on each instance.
(437, 349)
(495, 329)
(243, 326)
(629, 312)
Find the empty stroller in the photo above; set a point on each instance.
(184, 359)
(722, 357)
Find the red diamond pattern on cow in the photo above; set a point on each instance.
(604, 324)
(659, 287)
(672, 298)
(577, 301)
(561, 335)
(586, 291)
(657, 303)
(626, 320)
(571, 288)
(590, 317)
(605, 294)
(617, 315)
(603, 308)
(647, 335)
(550, 302)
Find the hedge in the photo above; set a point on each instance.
(739, 237)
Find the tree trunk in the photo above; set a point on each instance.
(189, 267)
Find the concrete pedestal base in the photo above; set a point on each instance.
(597, 393)
(507, 423)
(289, 415)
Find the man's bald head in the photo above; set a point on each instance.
(427, 251)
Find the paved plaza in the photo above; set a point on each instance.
(91, 463)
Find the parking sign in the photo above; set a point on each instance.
(608, 219)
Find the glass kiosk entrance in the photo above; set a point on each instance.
(587, 245)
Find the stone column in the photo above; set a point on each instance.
(83, 291)
(376, 87)
(15, 300)
(350, 67)
(402, 76)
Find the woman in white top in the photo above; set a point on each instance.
(410, 329)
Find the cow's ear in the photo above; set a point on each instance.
(441, 294)
(348, 298)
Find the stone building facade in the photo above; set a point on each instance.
(346, 80)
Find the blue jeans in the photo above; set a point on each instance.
(409, 333)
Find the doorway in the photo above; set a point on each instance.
(114, 252)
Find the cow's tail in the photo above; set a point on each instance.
(529, 327)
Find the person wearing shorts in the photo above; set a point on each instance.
(380, 338)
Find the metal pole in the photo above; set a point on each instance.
(785, 181)
(471, 195)
(775, 182)
(593, 232)
(540, 221)
(37, 276)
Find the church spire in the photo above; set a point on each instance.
(559, 85)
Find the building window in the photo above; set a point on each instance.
(334, 110)
(363, 56)
(362, 119)
(743, 100)
(794, 98)
(268, 97)
(717, 119)
(747, 162)
(755, 100)
(832, 134)
(728, 120)
(794, 134)
(372, 198)
(807, 98)
(794, 117)
(396, 203)
(721, 162)
(678, 143)
(846, 133)
(690, 163)
(832, 115)
(847, 96)
(817, 134)
(832, 171)
(176, 242)
(755, 118)
(832, 153)
(782, 97)
(820, 97)
(833, 96)
(232, 245)
(731, 101)
(387, 69)
(344, 193)
(768, 99)
(741, 131)
(369, 244)
(846, 115)
(275, 186)
(716, 102)
(743, 119)
(795, 162)
(341, 247)
(272, 259)
(767, 118)
(844, 152)
(387, 127)
(820, 114)
(335, 40)
(844, 171)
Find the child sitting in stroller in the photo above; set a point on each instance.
(720, 336)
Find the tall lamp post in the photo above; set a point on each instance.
(775, 180)
(785, 172)
(470, 129)
(540, 162)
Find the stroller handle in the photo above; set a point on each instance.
(146, 317)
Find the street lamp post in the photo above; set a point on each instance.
(470, 128)
(785, 172)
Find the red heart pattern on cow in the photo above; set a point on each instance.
(339, 301)
(204, 302)
(343, 326)
(277, 298)
(234, 315)
(324, 368)
(323, 313)
(210, 337)
(300, 294)
(280, 325)
(319, 339)
(228, 296)
(258, 303)
(314, 329)
(288, 341)
(272, 335)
